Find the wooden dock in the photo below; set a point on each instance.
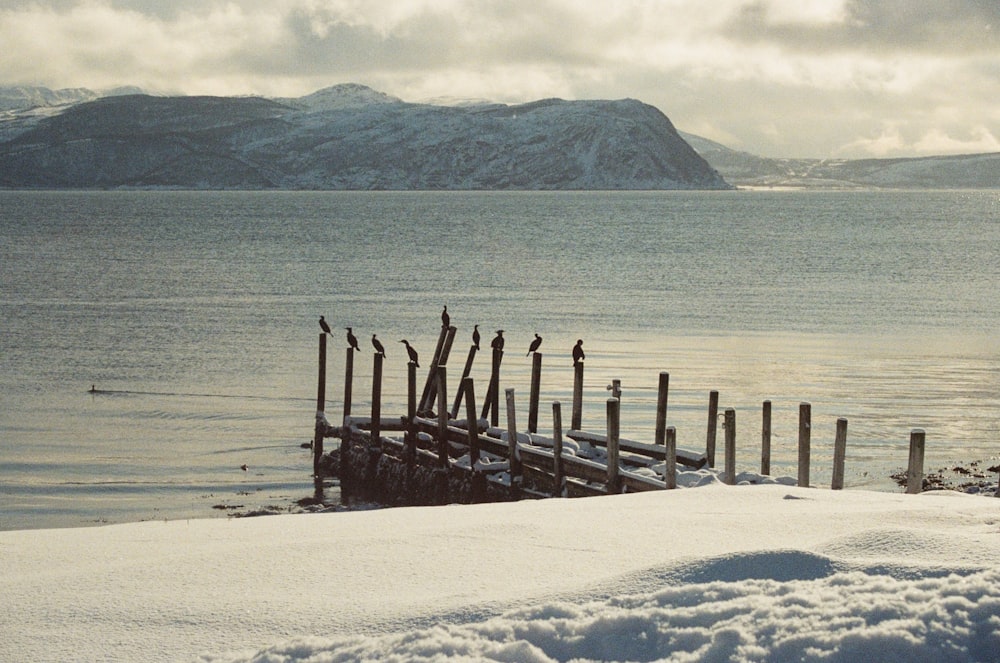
(431, 456)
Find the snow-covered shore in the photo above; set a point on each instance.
(713, 573)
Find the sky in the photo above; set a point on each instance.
(779, 78)
(715, 573)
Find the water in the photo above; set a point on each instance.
(195, 314)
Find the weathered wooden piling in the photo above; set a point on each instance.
(536, 385)
(491, 405)
(376, 430)
(348, 382)
(442, 395)
(670, 461)
(805, 429)
(576, 423)
(411, 413)
(661, 409)
(839, 454)
(320, 430)
(441, 354)
(730, 426)
(713, 422)
(461, 385)
(614, 483)
(765, 439)
(515, 465)
(469, 392)
(557, 447)
(915, 466)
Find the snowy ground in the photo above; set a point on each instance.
(717, 573)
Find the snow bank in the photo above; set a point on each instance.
(716, 573)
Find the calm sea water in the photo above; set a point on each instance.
(195, 314)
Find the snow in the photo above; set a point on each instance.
(717, 573)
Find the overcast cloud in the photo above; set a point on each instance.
(808, 78)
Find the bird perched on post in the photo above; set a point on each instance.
(475, 336)
(352, 340)
(578, 355)
(445, 318)
(379, 350)
(410, 351)
(534, 345)
(323, 325)
(497, 342)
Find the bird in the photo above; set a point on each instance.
(244, 467)
(410, 351)
(379, 350)
(475, 336)
(534, 345)
(323, 325)
(445, 318)
(352, 340)
(497, 343)
(578, 355)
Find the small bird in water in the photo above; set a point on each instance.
(412, 352)
(578, 355)
(352, 340)
(497, 342)
(379, 350)
(445, 318)
(323, 325)
(244, 467)
(534, 345)
(475, 336)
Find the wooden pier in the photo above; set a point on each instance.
(431, 456)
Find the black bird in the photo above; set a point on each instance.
(497, 343)
(410, 351)
(475, 336)
(578, 355)
(534, 344)
(323, 325)
(379, 350)
(445, 318)
(352, 340)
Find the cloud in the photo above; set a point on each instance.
(825, 73)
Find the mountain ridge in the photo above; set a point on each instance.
(347, 137)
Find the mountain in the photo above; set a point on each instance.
(347, 137)
(743, 169)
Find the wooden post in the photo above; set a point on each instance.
(661, 409)
(765, 440)
(839, 453)
(805, 428)
(713, 422)
(614, 426)
(423, 404)
(915, 468)
(730, 424)
(577, 414)
(515, 464)
(376, 430)
(557, 447)
(442, 394)
(320, 432)
(478, 487)
(670, 459)
(411, 412)
(470, 413)
(616, 389)
(491, 406)
(321, 388)
(461, 384)
(348, 382)
(536, 382)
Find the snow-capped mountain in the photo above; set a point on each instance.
(349, 137)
